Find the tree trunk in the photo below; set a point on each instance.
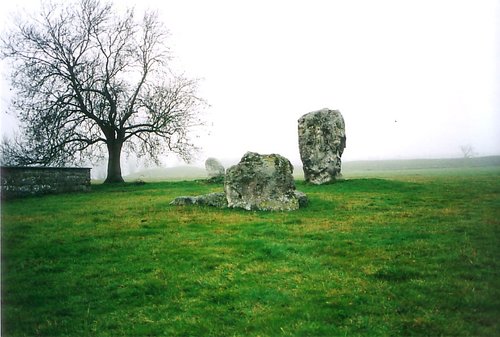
(114, 166)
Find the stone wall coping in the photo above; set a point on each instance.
(43, 168)
(21, 181)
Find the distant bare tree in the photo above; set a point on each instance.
(89, 81)
(467, 151)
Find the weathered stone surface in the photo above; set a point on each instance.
(211, 199)
(262, 182)
(184, 201)
(322, 141)
(302, 198)
(215, 170)
(28, 181)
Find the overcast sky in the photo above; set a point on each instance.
(413, 79)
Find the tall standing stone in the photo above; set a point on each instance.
(321, 144)
(262, 182)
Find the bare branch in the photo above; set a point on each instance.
(84, 75)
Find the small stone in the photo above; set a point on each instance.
(211, 199)
(215, 170)
(302, 198)
(183, 201)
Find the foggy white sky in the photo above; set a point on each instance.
(413, 79)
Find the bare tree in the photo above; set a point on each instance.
(87, 80)
(467, 151)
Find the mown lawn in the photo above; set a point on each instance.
(413, 256)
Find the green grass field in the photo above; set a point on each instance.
(412, 254)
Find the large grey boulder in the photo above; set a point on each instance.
(322, 141)
(215, 170)
(262, 182)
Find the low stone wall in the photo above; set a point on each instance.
(26, 181)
